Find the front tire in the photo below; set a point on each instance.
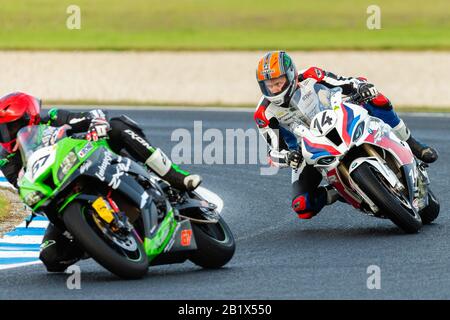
(215, 243)
(431, 212)
(385, 200)
(75, 219)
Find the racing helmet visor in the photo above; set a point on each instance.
(273, 87)
(8, 131)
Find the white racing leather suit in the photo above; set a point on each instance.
(276, 124)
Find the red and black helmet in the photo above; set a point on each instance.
(17, 110)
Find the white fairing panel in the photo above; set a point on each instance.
(39, 162)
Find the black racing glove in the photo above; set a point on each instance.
(294, 159)
(98, 129)
(365, 92)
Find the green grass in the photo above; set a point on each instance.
(227, 24)
(4, 207)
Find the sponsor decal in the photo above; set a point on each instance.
(83, 152)
(38, 164)
(266, 68)
(68, 235)
(50, 135)
(268, 71)
(144, 198)
(318, 72)
(47, 244)
(287, 118)
(138, 138)
(278, 101)
(172, 241)
(121, 169)
(307, 95)
(104, 165)
(186, 237)
(85, 166)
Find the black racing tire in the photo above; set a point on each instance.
(99, 249)
(215, 244)
(383, 198)
(431, 212)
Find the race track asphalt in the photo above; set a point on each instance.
(278, 256)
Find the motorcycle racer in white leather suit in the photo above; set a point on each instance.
(278, 80)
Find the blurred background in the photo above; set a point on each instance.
(204, 52)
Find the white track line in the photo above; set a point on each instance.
(34, 224)
(19, 254)
(22, 239)
(17, 265)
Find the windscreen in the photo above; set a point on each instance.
(311, 98)
(32, 138)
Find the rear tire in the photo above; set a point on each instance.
(215, 244)
(383, 198)
(99, 250)
(431, 212)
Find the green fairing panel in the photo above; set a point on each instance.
(154, 247)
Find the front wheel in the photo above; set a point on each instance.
(385, 199)
(123, 256)
(430, 212)
(215, 244)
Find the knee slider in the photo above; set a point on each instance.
(301, 206)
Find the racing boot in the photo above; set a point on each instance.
(423, 152)
(170, 172)
(420, 150)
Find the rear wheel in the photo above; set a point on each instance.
(431, 212)
(391, 204)
(215, 244)
(124, 256)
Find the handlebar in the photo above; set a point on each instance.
(79, 135)
(357, 99)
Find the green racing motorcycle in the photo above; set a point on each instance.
(119, 213)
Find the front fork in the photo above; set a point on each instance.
(108, 211)
(415, 179)
(375, 159)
